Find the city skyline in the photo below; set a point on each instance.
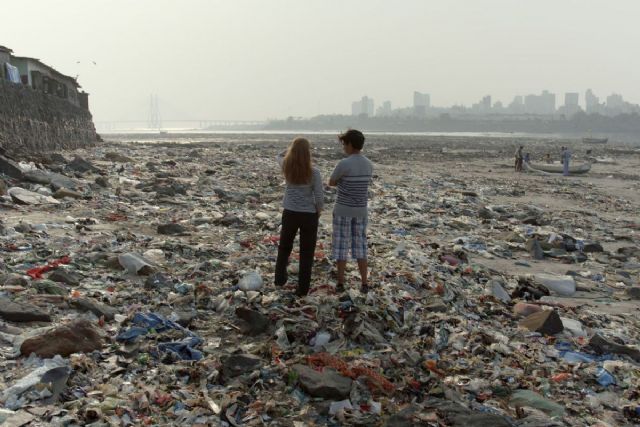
(545, 103)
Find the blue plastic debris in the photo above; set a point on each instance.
(604, 378)
(146, 323)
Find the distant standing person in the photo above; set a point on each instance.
(527, 157)
(352, 176)
(302, 203)
(566, 157)
(519, 159)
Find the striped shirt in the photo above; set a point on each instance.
(305, 197)
(353, 176)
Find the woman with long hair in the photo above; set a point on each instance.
(302, 203)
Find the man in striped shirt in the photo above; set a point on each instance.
(352, 176)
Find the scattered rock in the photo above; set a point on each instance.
(117, 157)
(522, 309)
(103, 182)
(21, 312)
(486, 213)
(601, 346)
(10, 168)
(254, 323)
(13, 279)
(592, 247)
(76, 337)
(404, 418)
(546, 322)
(327, 384)
(534, 249)
(64, 192)
(511, 236)
(436, 307)
(498, 291)
(97, 308)
(26, 197)
(64, 276)
(633, 292)
(238, 364)
(49, 287)
(81, 165)
(171, 228)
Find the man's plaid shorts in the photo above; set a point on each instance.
(349, 231)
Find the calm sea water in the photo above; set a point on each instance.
(186, 136)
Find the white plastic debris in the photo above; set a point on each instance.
(340, 405)
(250, 282)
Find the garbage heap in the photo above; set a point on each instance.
(136, 289)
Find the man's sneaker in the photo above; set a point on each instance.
(340, 288)
(364, 288)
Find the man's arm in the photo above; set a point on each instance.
(336, 175)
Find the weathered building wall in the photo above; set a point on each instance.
(33, 122)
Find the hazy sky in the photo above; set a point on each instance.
(258, 59)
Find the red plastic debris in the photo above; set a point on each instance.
(37, 272)
(115, 216)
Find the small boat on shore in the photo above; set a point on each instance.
(590, 140)
(557, 168)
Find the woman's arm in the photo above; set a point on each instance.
(318, 191)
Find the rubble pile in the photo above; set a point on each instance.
(136, 288)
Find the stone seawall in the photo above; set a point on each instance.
(32, 122)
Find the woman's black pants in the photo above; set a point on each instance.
(307, 223)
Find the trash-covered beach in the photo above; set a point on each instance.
(136, 288)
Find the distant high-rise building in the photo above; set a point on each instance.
(571, 98)
(548, 102)
(486, 103)
(356, 108)
(384, 109)
(517, 105)
(421, 103)
(571, 104)
(617, 105)
(482, 106)
(615, 101)
(362, 107)
(592, 102)
(543, 104)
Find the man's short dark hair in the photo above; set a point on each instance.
(353, 137)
